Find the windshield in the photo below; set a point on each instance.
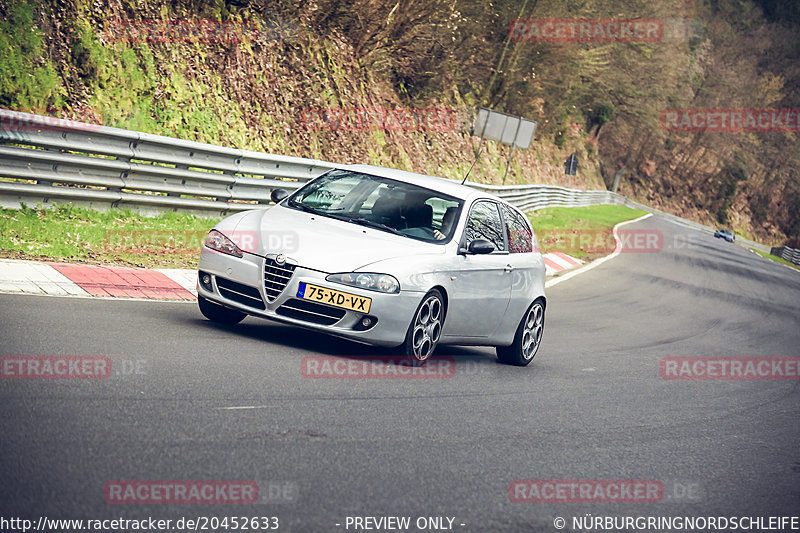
(381, 203)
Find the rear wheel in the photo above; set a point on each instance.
(219, 314)
(426, 328)
(527, 338)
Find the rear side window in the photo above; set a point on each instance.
(519, 232)
(485, 223)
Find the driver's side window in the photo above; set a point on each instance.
(485, 223)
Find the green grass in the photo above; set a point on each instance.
(775, 258)
(582, 232)
(173, 240)
(591, 217)
(75, 234)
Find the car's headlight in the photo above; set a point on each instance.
(220, 243)
(365, 280)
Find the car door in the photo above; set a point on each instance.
(525, 263)
(480, 283)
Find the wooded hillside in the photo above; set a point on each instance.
(256, 82)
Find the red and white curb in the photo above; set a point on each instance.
(556, 262)
(71, 279)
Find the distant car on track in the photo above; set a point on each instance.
(726, 234)
(385, 257)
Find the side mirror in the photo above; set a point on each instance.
(480, 246)
(278, 194)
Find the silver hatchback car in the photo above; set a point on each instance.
(385, 257)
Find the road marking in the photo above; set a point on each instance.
(598, 262)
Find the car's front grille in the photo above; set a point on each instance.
(243, 294)
(276, 277)
(311, 312)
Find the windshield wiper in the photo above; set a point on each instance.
(377, 225)
(314, 211)
(304, 207)
(309, 209)
(356, 220)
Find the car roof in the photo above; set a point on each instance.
(446, 186)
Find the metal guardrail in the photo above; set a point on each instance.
(789, 254)
(532, 197)
(54, 160)
(61, 160)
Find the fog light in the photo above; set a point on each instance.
(204, 279)
(366, 322)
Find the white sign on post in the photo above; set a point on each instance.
(507, 129)
(511, 130)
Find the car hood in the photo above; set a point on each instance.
(317, 242)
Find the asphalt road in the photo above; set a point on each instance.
(189, 400)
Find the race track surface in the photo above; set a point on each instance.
(190, 400)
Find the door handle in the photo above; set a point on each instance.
(509, 268)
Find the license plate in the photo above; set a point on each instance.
(336, 298)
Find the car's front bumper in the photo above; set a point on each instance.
(228, 274)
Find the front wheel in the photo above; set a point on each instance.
(219, 314)
(426, 328)
(527, 338)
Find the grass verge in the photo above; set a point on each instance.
(775, 258)
(119, 237)
(173, 240)
(582, 232)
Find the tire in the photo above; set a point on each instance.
(219, 314)
(425, 329)
(527, 338)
